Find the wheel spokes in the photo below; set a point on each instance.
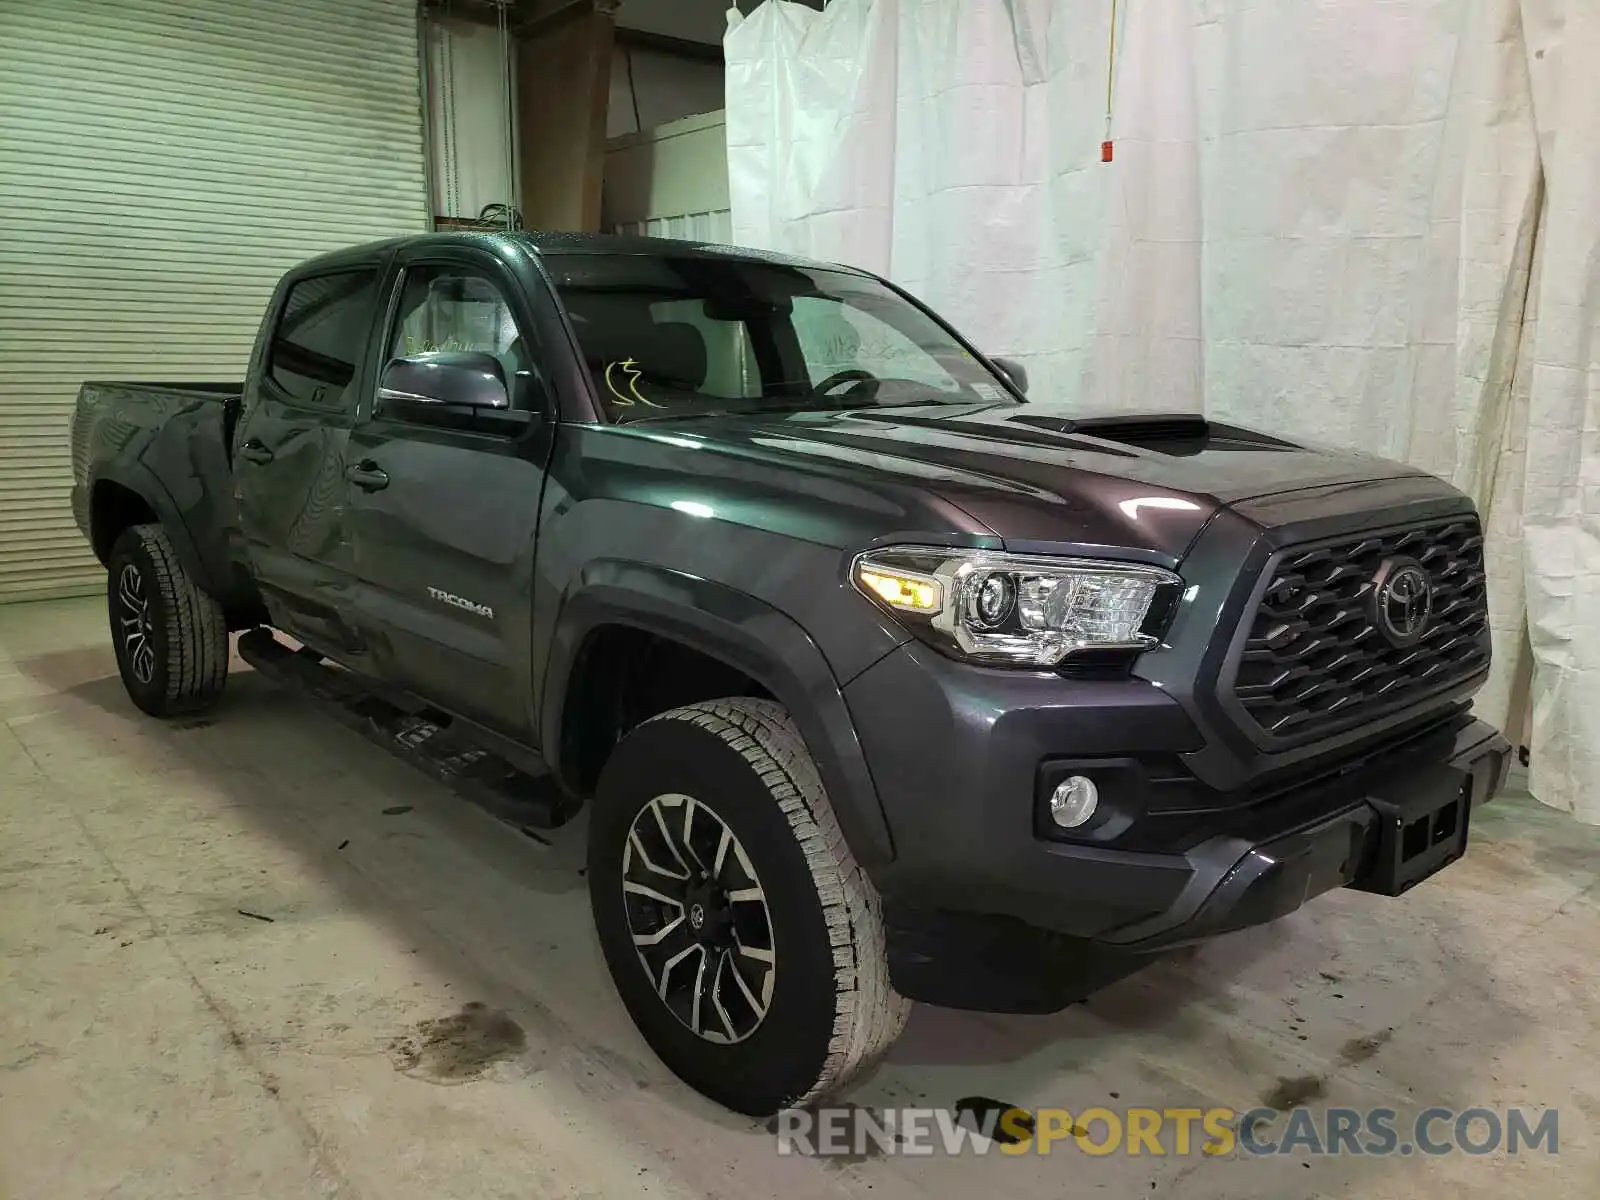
(130, 590)
(698, 1001)
(689, 807)
(134, 621)
(758, 1005)
(636, 844)
(665, 980)
(143, 660)
(659, 952)
(660, 935)
(728, 1033)
(667, 839)
(650, 893)
(692, 927)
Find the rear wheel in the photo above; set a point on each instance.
(171, 638)
(743, 938)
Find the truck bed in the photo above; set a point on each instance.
(168, 443)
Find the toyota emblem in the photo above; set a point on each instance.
(1403, 601)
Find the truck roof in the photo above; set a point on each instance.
(555, 242)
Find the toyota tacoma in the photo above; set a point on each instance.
(878, 681)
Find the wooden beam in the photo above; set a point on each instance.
(563, 93)
(519, 13)
(478, 12)
(532, 20)
(643, 39)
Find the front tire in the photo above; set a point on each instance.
(171, 638)
(745, 941)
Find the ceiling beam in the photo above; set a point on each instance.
(519, 13)
(642, 39)
(531, 16)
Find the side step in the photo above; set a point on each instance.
(439, 744)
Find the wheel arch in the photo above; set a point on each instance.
(127, 495)
(732, 628)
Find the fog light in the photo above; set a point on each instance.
(1074, 801)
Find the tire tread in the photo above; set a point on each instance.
(868, 1013)
(196, 628)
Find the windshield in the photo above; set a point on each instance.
(694, 335)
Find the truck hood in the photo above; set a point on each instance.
(1038, 478)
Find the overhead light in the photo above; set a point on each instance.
(694, 508)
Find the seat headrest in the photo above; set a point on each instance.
(672, 354)
(613, 329)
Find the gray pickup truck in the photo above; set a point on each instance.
(879, 682)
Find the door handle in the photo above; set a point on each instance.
(256, 451)
(367, 476)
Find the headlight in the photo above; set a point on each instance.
(1014, 608)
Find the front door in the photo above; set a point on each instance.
(289, 449)
(443, 521)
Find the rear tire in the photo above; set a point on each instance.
(789, 963)
(171, 638)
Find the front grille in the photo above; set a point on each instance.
(1315, 659)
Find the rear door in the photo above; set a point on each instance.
(443, 521)
(289, 448)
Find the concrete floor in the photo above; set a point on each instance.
(157, 1041)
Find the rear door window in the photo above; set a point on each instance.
(320, 337)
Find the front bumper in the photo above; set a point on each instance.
(976, 883)
(1385, 834)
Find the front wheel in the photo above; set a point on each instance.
(743, 938)
(171, 638)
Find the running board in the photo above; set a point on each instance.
(441, 745)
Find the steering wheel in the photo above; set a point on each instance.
(854, 375)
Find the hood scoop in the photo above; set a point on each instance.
(1165, 433)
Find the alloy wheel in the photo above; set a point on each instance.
(699, 918)
(134, 620)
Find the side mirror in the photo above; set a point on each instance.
(467, 379)
(1014, 371)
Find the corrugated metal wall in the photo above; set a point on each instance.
(161, 163)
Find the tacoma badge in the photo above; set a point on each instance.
(472, 606)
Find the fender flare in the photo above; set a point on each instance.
(744, 632)
(143, 483)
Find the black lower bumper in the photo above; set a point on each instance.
(1400, 831)
(987, 911)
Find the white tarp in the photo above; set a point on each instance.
(1363, 224)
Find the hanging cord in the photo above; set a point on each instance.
(633, 91)
(513, 218)
(1111, 70)
(452, 155)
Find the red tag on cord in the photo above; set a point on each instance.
(1105, 151)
